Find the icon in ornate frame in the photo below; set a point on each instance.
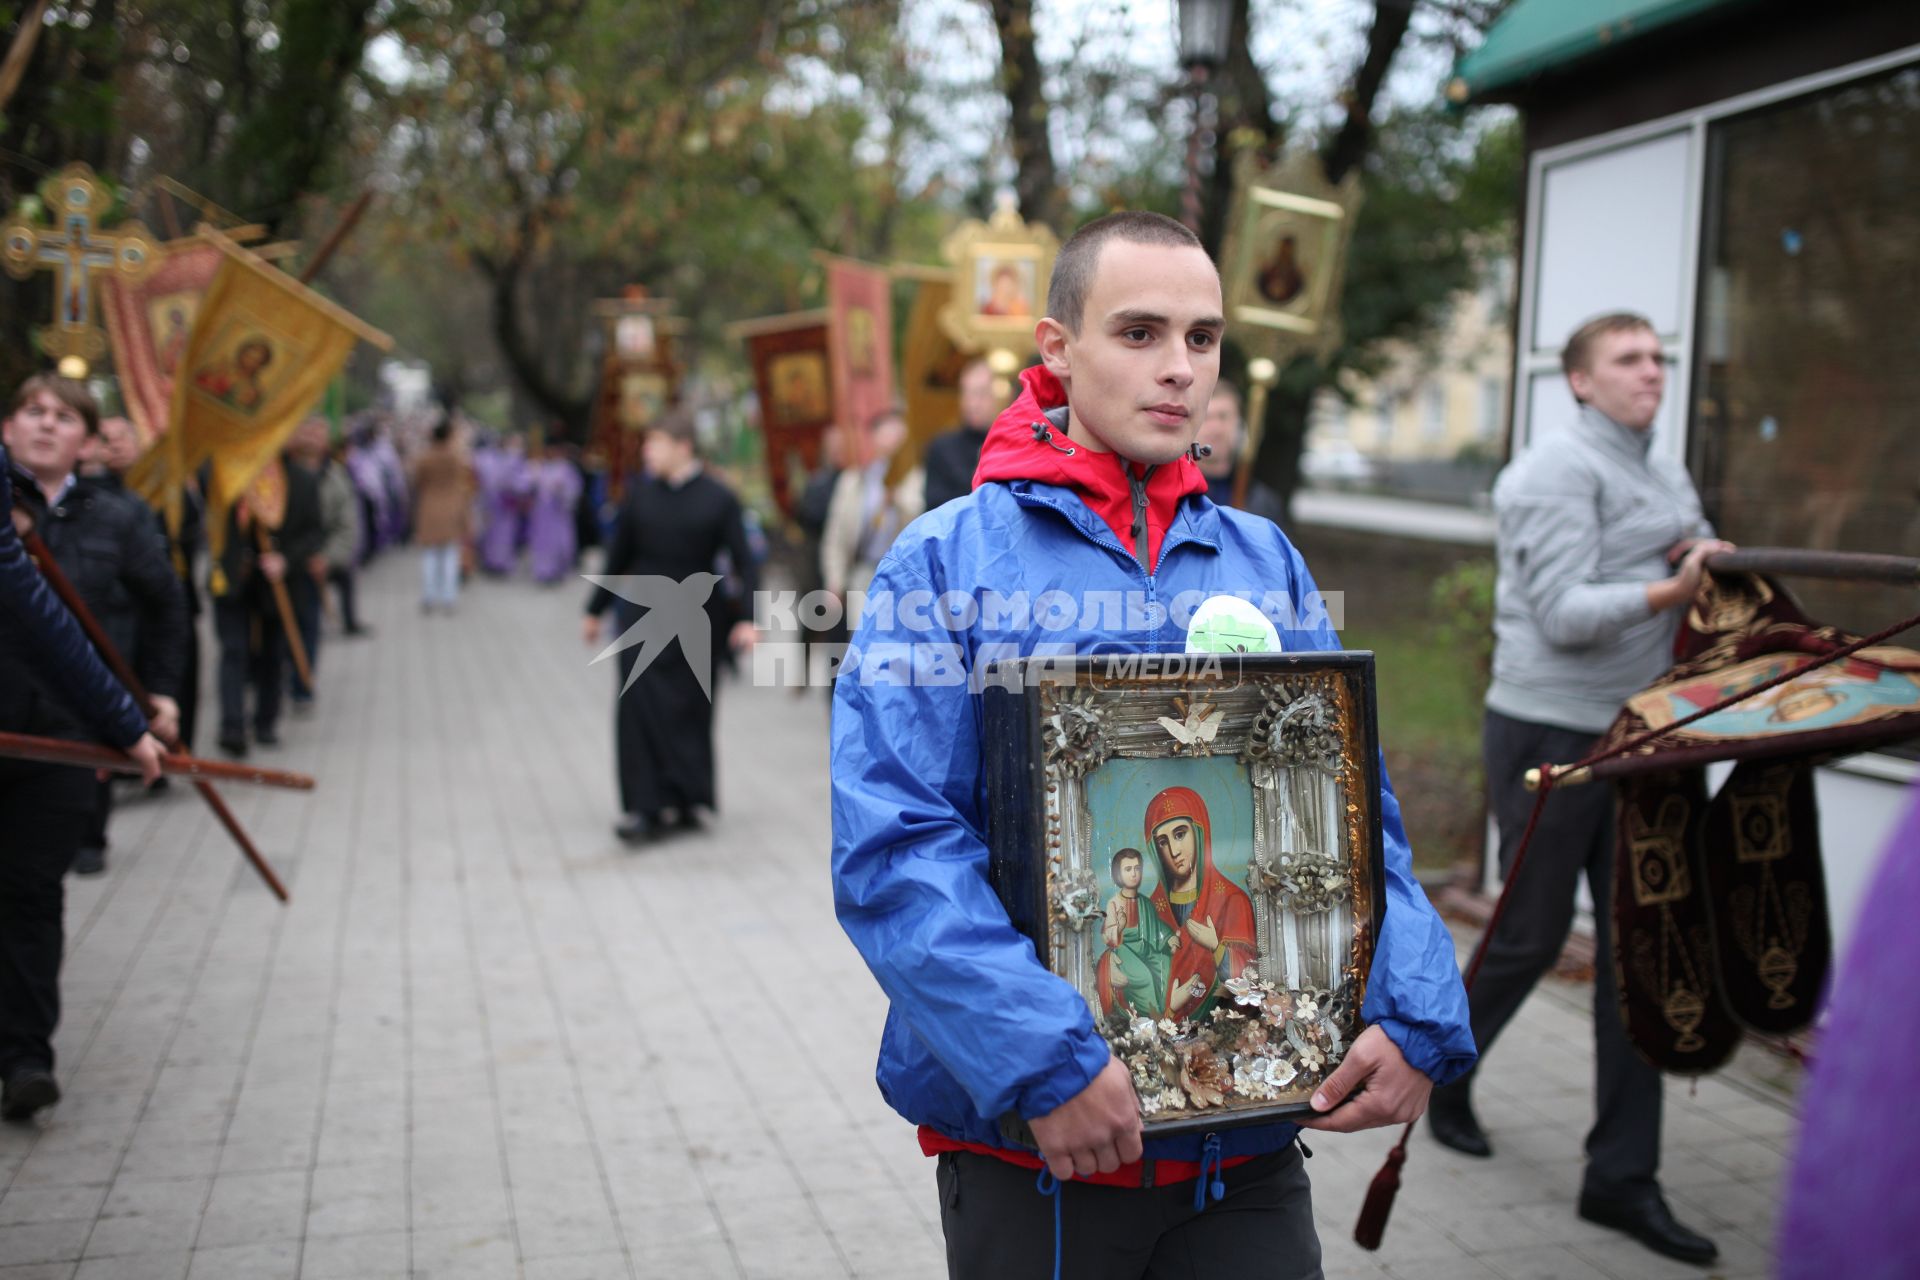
(1193, 841)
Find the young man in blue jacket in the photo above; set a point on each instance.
(1085, 493)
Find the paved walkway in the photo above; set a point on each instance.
(486, 1041)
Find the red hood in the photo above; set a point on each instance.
(1012, 453)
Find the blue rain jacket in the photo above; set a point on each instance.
(977, 1026)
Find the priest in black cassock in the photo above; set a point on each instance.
(679, 523)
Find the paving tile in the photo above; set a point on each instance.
(594, 1266)
(353, 1257)
(149, 1215)
(253, 1208)
(168, 1265)
(278, 1260)
(32, 1242)
(463, 1254)
(51, 1204)
(1541, 1262)
(357, 1215)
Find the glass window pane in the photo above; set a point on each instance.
(1807, 387)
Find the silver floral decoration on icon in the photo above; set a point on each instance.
(1074, 735)
(1076, 899)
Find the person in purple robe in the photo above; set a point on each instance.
(505, 492)
(368, 482)
(393, 479)
(551, 528)
(1853, 1188)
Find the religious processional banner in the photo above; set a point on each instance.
(261, 353)
(860, 345)
(148, 323)
(790, 356)
(1719, 905)
(930, 365)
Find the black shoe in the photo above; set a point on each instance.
(91, 860)
(1450, 1117)
(688, 820)
(266, 737)
(26, 1091)
(357, 629)
(1646, 1218)
(235, 746)
(636, 828)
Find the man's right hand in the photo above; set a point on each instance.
(590, 629)
(1668, 593)
(146, 753)
(1095, 1131)
(273, 566)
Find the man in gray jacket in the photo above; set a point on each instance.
(1591, 524)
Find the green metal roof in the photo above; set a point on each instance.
(1542, 35)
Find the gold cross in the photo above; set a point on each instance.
(75, 252)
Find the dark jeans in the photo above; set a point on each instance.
(95, 836)
(341, 577)
(1574, 838)
(246, 661)
(999, 1227)
(43, 816)
(304, 593)
(189, 698)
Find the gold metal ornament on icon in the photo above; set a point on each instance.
(1000, 272)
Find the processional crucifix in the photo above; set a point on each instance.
(75, 250)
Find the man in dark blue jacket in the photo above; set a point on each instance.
(51, 684)
(109, 547)
(1084, 490)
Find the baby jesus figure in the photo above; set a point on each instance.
(1138, 963)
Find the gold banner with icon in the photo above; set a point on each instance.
(260, 356)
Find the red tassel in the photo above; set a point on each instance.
(1372, 1226)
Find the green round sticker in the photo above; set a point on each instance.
(1228, 624)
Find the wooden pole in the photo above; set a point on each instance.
(91, 755)
(1851, 566)
(283, 605)
(1262, 373)
(336, 237)
(25, 36)
(57, 579)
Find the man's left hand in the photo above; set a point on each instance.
(317, 567)
(742, 637)
(1384, 1089)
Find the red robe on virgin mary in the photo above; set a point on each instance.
(1216, 902)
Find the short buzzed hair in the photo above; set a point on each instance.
(1577, 355)
(1073, 269)
(1230, 391)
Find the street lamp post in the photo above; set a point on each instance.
(1206, 28)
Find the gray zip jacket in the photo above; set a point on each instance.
(1585, 519)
